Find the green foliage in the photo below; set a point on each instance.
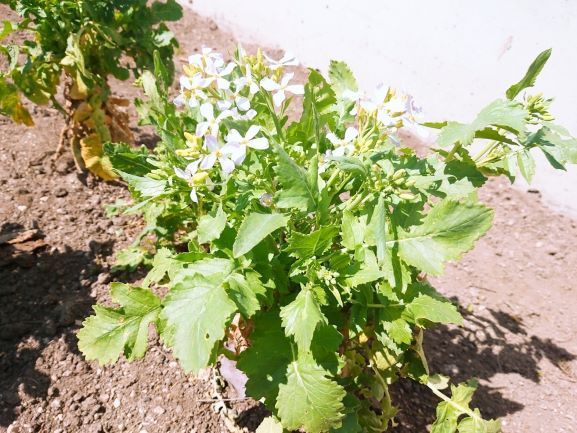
(86, 42)
(307, 242)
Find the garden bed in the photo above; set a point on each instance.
(516, 288)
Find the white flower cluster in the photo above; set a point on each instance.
(219, 90)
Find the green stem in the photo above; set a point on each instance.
(270, 105)
(487, 149)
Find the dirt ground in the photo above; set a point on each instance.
(517, 289)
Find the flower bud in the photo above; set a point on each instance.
(408, 196)
(199, 178)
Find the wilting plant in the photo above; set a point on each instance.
(300, 249)
(85, 42)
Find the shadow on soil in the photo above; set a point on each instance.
(43, 294)
(489, 344)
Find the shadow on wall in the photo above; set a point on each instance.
(43, 294)
(490, 343)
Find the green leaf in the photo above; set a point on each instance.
(254, 228)
(425, 307)
(210, 227)
(448, 230)
(309, 400)
(526, 165)
(530, 76)
(128, 160)
(111, 332)
(379, 229)
(301, 317)
(352, 231)
(146, 186)
(298, 192)
(318, 107)
(196, 311)
(162, 264)
(270, 425)
(342, 78)
(455, 415)
(499, 113)
(244, 294)
(304, 246)
(266, 359)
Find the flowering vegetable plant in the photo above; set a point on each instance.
(309, 234)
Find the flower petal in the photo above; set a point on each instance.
(233, 136)
(243, 103)
(258, 143)
(207, 111)
(193, 195)
(208, 161)
(252, 131)
(350, 134)
(226, 164)
(296, 89)
(278, 98)
(269, 85)
(181, 173)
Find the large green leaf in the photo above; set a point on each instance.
(309, 400)
(111, 332)
(301, 317)
(196, 311)
(265, 361)
(146, 186)
(425, 307)
(210, 227)
(530, 76)
(254, 228)
(304, 246)
(244, 294)
(499, 113)
(448, 230)
(300, 190)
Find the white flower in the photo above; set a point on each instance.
(206, 57)
(377, 101)
(249, 115)
(286, 60)
(246, 81)
(217, 152)
(191, 89)
(214, 72)
(279, 89)
(343, 146)
(241, 144)
(191, 175)
(211, 124)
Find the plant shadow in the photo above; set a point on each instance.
(490, 343)
(44, 294)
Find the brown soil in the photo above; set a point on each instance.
(519, 340)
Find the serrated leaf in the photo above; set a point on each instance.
(196, 311)
(425, 307)
(162, 264)
(146, 186)
(342, 78)
(266, 359)
(304, 246)
(530, 76)
(210, 227)
(448, 230)
(244, 295)
(352, 231)
(309, 400)
(400, 331)
(318, 106)
(111, 332)
(500, 113)
(254, 228)
(455, 415)
(297, 190)
(301, 317)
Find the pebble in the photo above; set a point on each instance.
(60, 192)
(116, 403)
(158, 410)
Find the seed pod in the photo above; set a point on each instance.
(399, 173)
(407, 196)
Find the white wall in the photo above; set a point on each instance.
(454, 56)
